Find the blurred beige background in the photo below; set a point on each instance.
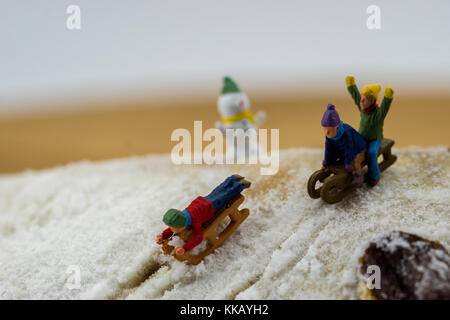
(45, 141)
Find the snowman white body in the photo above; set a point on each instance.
(232, 107)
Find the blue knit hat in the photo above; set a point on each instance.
(330, 117)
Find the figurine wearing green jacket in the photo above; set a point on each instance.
(372, 120)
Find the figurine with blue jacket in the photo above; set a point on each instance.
(372, 121)
(343, 145)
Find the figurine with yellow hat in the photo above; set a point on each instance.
(372, 120)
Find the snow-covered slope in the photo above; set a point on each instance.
(103, 217)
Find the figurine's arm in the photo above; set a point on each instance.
(167, 234)
(347, 149)
(260, 117)
(353, 90)
(197, 237)
(327, 159)
(387, 101)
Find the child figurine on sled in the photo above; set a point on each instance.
(343, 145)
(372, 120)
(201, 210)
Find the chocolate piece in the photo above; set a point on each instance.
(411, 267)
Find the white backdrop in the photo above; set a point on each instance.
(155, 47)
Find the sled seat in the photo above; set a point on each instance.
(213, 238)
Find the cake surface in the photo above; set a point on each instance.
(102, 218)
(410, 268)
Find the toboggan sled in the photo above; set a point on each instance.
(213, 238)
(336, 181)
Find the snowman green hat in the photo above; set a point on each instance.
(229, 86)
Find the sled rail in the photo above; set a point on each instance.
(337, 181)
(213, 238)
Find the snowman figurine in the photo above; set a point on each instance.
(234, 108)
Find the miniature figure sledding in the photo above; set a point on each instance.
(209, 231)
(203, 219)
(337, 180)
(352, 156)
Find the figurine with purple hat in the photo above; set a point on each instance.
(343, 145)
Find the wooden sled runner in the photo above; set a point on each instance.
(213, 238)
(337, 181)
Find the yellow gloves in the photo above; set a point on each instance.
(389, 93)
(350, 81)
(370, 90)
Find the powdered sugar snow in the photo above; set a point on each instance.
(103, 217)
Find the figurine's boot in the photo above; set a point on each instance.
(241, 180)
(238, 177)
(358, 180)
(373, 182)
(245, 183)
